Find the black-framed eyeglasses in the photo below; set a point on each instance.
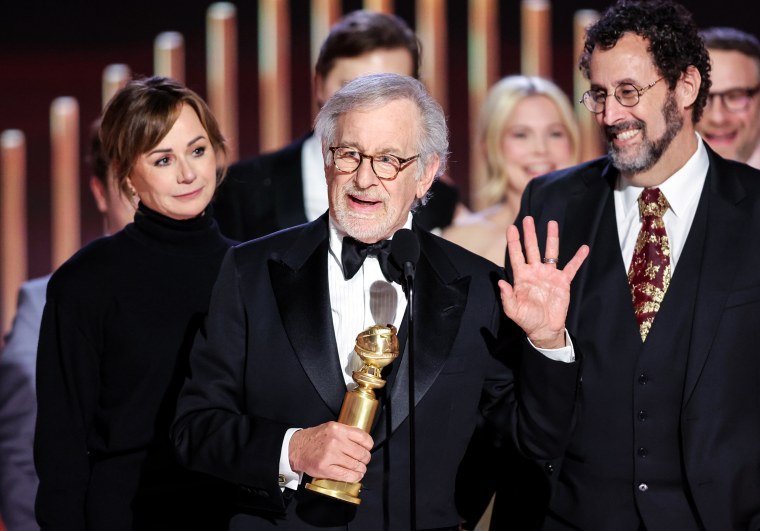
(386, 167)
(734, 100)
(627, 94)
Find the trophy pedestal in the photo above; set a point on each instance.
(342, 490)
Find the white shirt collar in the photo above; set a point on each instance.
(337, 234)
(679, 189)
(313, 175)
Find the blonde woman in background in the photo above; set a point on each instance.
(527, 128)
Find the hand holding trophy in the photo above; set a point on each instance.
(377, 347)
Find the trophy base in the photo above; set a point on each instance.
(342, 490)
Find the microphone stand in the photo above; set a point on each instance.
(405, 251)
(409, 277)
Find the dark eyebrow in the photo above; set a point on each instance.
(194, 140)
(169, 150)
(626, 81)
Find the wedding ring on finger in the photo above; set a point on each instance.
(550, 261)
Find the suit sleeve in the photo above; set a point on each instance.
(527, 395)
(547, 390)
(67, 391)
(18, 409)
(212, 431)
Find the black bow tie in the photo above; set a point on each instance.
(354, 252)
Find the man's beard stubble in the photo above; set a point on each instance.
(364, 228)
(650, 151)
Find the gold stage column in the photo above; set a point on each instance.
(383, 6)
(64, 177)
(483, 61)
(536, 45)
(274, 74)
(115, 76)
(591, 136)
(324, 13)
(169, 55)
(13, 254)
(431, 29)
(222, 72)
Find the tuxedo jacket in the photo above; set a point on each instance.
(267, 361)
(264, 194)
(705, 336)
(18, 409)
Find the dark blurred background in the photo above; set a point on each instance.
(52, 49)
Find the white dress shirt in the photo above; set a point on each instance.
(313, 175)
(364, 300)
(682, 190)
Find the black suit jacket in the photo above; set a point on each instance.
(267, 361)
(718, 420)
(264, 194)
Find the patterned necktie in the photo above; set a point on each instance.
(354, 252)
(649, 275)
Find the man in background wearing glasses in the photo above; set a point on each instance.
(731, 121)
(665, 312)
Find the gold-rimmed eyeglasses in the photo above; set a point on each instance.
(627, 94)
(385, 167)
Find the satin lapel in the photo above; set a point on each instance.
(288, 183)
(299, 282)
(440, 300)
(722, 253)
(579, 225)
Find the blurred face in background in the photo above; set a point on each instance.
(734, 134)
(535, 141)
(345, 69)
(177, 177)
(118, 209)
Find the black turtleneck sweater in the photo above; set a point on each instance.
(118, 324)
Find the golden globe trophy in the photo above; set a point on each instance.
(377, 347)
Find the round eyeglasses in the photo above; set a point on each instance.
(734, 100)
(627, 94)
(385, 167)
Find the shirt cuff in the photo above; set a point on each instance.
(288, 479)
(565, 354)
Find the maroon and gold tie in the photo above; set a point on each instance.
(649, 275)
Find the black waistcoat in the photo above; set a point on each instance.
(623, 467)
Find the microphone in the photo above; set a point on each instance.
(405, 252)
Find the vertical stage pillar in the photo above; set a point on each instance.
(13, 253)
(115, 76)
(591, 136)
(169, 56)
(432, 31)
(324, 13)
(64, 174)
(274, 74)
(383, 6)
(536, 41)
(222, 72)
(483, 62)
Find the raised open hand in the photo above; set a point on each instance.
(539, 299)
